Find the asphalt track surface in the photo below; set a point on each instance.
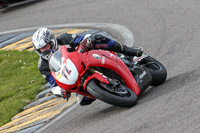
(167, 30)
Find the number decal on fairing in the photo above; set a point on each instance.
(66, 72)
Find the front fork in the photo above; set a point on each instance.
(94, 74)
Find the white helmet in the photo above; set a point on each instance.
(41, 38)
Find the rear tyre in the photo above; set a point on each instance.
(157, 70)
(121, 96)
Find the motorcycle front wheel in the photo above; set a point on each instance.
(121, 96)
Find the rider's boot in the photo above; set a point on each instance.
(83, 100)
(118, 47)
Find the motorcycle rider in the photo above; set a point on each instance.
(45, 42)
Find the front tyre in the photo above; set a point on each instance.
(121, 96)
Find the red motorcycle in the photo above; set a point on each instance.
(99, 74)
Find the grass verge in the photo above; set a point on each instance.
(20, 82)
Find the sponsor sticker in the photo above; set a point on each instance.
(142, 75)
(103, 60)
(96, 56)
(58, 76)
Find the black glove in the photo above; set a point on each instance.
(65, 94)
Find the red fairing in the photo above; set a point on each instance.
(98, 58)
(98, 77)
(76, 58)
(111, 61)
(63, 86)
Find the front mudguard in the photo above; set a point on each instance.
(97, 76)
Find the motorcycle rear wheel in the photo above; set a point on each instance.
(123, 97)
(157, 70)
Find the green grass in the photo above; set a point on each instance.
(20, 82)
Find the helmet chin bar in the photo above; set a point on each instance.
(47, 54)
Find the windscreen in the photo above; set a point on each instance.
(55, 61)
